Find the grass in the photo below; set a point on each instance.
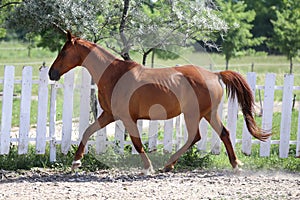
(192, 159)
(15, 53)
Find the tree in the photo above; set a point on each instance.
(238, 35)
(58, 15)
(124, 25)
(166, 24)
(262, 26)
(6, 7)
(287, 30)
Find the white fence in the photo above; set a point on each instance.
(67, 132)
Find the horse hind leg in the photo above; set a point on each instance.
(132, 129)
(192, 126)
(214, 120)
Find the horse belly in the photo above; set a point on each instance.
(150, 102)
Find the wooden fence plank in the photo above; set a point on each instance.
(246, 136)
(25, 105)
(52, 123)
(41, 128)
(178, 132)
(202, 144)
(67, 112)
(85, 93)
(267, 116)
(232, 119)
(215, 138)
(119, 136)
(298, 135)
(153, 134)
(286, 115)
(7, 103)
(101, 135)
(168, 136)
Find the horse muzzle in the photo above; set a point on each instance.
(54, 74)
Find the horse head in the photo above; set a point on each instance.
(67, 59)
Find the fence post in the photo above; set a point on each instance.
(119, 136)
(153, 134)
(179, 132)
(298, 135)
(52, 123)
(7, 103)
(202, 144)
(267, 112)
(100, 135)
(25, 109)
(246, 136)
(232, 118)
(286, 115)
(41, 128)
(67, 112)
(215, 138)
(85, 96)
(168, 135)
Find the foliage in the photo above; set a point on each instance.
(287, 30)
(122, 25)
(194, 159)
(6, 6)
(58, 15)
(169, 24)
(262, 26)
(238, 35)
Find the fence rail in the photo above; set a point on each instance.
(48, 131)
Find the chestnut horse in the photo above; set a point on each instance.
(129, 91)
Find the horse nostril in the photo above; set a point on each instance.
(54, 75)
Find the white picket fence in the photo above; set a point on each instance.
(69, 131)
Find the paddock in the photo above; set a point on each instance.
(113, 184)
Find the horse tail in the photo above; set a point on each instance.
(237, 86)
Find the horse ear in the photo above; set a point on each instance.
(69, 36)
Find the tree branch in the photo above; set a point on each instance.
(125, 51)
(9, 3)
(113, 48)
(61, 30)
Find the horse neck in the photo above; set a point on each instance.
(95, 59)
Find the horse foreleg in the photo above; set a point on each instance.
(192, 126)
(101, 122)
(137, 143)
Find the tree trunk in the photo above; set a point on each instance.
(227, 61)
(144, 59)
(152, 58)
(291, 65)
(126, 46)
(145, 56)
(125, 56)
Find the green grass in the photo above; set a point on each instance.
(192, 159)
(16, 54)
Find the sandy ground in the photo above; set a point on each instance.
(45, 184)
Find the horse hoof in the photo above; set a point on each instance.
(239, 163)
(237, 170)
(148, 171)
(76, 164)
(168, 168)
